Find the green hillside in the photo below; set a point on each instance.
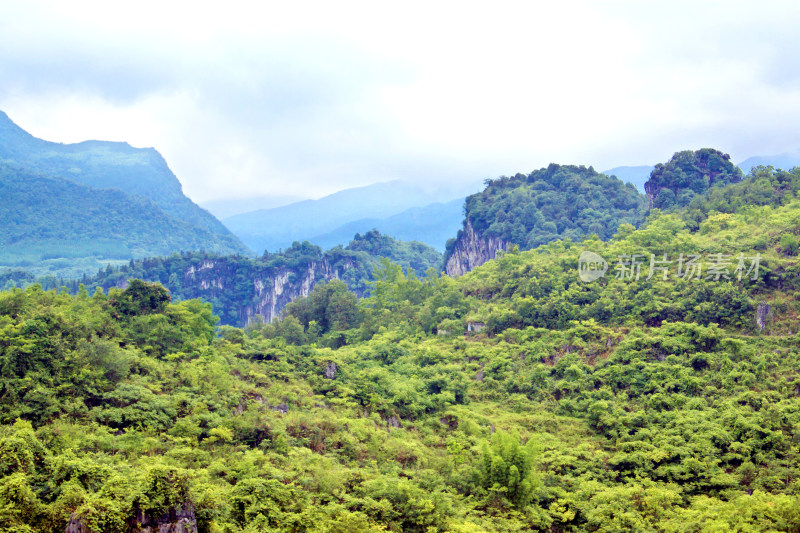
(663, 399)
(230, 286)
(69, 208)
(58, 226)
(109, 165)
(554, 202)
(687, 174)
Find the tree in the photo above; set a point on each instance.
(140, 298)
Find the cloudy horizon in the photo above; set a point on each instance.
(310, 98)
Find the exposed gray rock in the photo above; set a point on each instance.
(763, 314)
(471, 250)
(475, 327)
(450, 421)
(76, 525)
(394, 422)
(272, 289)
(330, 370)
(281, 407)
(176, 520)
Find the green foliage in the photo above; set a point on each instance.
(77, 206)
(331, 306)
(236, 284)
(507, 468)
(67, 229)
(618, 405)
(688, 174)
(560, 201)
(414, 255)
(140, 298)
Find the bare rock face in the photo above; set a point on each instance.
(394, 422)
(177, 520)
(330, 370)
(75, 525)
(272, 288)
(763, 313)
(471, 250)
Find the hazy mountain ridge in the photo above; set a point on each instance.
(272, 229)
(228, 207)
(784, 161)
(118, 201)
(105, 164)
(432, 224)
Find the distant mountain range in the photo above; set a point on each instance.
(432, 224)
(77, 206)
(228, 207)
(396, 208)
(785, 161)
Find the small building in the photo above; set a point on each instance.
(475, 327)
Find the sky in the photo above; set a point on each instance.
(307, 98)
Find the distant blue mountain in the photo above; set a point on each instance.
(636, 175)
(432, 224)
(273, 229)
(786, 161)
(228, 207)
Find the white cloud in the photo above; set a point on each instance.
(306, 98)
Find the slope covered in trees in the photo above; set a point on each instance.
(66, 206)
(554, 202)
(688, 174)
(560, 201)
(242, 288)
(661, 402)
(55, 225)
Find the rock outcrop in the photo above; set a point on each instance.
(180, 519)
(763, 314)
(471, 250)
(272, 288)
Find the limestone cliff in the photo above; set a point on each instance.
(242, 289)
(270, 289)
(472, 249)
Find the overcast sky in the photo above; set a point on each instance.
(299, 98)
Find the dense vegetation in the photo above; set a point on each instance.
(233, 289)
(688, 174)
(55, 225)
(68, 208)
(625, 404)
(560, 201)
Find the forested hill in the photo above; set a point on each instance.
(566, 201)
(137, 177)
(55, 225)
(687, 174)
(560, 201)
(243, 289)
(655, 397)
